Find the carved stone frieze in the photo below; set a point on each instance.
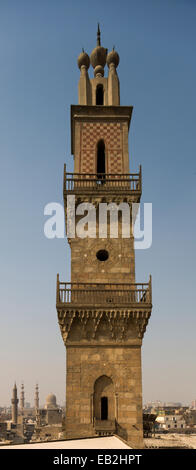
(110, 325)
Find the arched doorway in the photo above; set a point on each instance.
(104, 399)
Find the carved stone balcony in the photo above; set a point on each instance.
(101, 185)
(93, 294)
(88, 312)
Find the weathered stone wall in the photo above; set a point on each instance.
(123, 365)
(102, 327)
(118, 268)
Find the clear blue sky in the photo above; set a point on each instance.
(39, 44)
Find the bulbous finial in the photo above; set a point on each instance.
(83, 59)
(113, 58)
(98, 55)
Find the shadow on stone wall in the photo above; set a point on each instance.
(121, 432)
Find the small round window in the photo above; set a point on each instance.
(102, 255)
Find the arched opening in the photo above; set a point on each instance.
(104, 399)
(99, 95)
(104, 408)
(101, 160)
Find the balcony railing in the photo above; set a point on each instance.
(78, 182)
(99, 294)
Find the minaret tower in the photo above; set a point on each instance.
(14, 405)
(36, 397)
(22, 399)
(102, 313)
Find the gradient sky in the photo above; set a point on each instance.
(39, 44)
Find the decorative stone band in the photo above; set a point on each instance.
(86, 327)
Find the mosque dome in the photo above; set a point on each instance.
(83, 59)
(113, 58)
(51, 400)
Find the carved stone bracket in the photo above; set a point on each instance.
(141, 324)
(116, 325)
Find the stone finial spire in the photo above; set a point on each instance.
(36, 397)
(98, 36)
(113, 81)
(22, 398)
(98, 56)
(14, 402)
(84, 83)
(113, 58)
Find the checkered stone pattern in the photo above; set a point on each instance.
(111, 133)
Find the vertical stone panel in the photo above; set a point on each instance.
(122, 367)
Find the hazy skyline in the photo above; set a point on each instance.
(40, 43)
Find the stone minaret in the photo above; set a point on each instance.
(14, 405)
(103, 312)
(22, 399)
(36, 397)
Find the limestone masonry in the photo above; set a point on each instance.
(102, 313)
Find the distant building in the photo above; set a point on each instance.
(14, 405)
(15, 428)
(50, 414)
(3, 431)
(173, 404)
(36, 400)
(161, 405)
(22, 399)
(190, 417)
(171, 422)
(25, 424)
(48, 420)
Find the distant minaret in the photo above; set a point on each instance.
(22, 399)
(36, 397)
(14, 405)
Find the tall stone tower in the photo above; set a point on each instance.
(14, 405)
(102, 313)
(22, 399)
(36, 399)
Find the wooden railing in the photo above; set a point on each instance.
(99, 294)
(102, 182)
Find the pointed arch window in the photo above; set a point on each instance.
(101, 164)
(99, 95)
